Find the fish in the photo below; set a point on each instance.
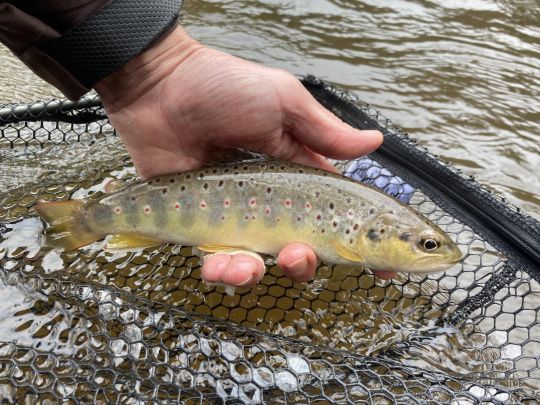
(258, 206)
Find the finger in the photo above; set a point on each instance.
(239, 269)
(322, 131)
(298, 262)
(303, 155)
(383, 274)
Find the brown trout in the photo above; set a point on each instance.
(258, 206)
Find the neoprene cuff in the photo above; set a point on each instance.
(111, 37)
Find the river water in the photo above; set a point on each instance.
(461, 76)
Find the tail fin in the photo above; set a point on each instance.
(67, 226)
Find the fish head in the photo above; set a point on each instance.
(404, 241)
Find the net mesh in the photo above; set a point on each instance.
(92, 326)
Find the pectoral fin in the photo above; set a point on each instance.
(127, 242)
(346, 253)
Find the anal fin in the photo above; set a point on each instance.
(126, 242)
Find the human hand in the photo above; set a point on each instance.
(179, 102)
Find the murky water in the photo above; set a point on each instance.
(461, 76)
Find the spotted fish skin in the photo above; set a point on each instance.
(264, 205)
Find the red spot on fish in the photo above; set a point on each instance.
(227, 203)
(117, 210)
(267, 210)
(147, 209)
(350, 213)
(253, 202)
(308, 206)
(177, 206)
(288, 203)
(203, 204)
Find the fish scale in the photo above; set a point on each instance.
(262, 206)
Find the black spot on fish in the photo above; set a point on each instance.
(405, 236)
(351, 241)
(322, 230)
(226, 171)
(164, 191)
(348, 231)
(235, 167)
(158, 180)
(220, 184)
(355, 227)
(245, 168)
(334, 224)
(269, 190)
(214, 171)
(317, 194)
(205, 186)
(372, 211)
(241, 184)
(133, 198)
(391, 212)
(348, 200)
(282, 167)
(373, 234)
(318, 217)
(331, 206)
(188, 176)
(301, 171)
(171, 181)
(201, 175)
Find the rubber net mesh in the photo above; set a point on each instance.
(92, 326)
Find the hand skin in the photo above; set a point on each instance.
(179, 102)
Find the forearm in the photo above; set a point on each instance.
(41, 33)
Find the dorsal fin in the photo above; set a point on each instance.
(229, 156)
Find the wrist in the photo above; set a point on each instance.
(146, 70)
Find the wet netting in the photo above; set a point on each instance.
(93, 326)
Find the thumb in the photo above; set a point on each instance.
(321, 131)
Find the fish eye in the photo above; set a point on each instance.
(430, 244)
